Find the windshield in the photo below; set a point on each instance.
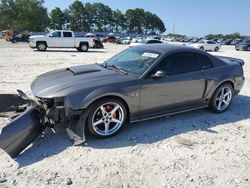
(134, 60)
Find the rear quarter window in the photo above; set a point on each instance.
(67, 34)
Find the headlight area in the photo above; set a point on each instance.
(54, 109)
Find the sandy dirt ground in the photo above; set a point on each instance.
(194, 149)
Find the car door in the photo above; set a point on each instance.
(54, 39)
(67, 40)
(181, 88)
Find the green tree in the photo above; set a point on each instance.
(143, 22)
(119, 21)
(23, 14)
(57, 18)
(103, 18)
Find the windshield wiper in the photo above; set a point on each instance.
(117, 68)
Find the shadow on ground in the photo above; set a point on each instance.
(146, 132)
(71, 51)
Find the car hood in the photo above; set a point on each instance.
(37, 36)
(63, 82)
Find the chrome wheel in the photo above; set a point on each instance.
(223, 98)
(107, 119)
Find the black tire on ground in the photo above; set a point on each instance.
(94, 111)
(84, 47)
(216, 49)
(202, 48)
(213, 105)
(41, 46)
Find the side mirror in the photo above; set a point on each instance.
(159, 74)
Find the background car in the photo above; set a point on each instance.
(110, 39)
(143, 41)
(206, 45)
(244, 45)
(236, 41)
(19, 38)
(226, 41)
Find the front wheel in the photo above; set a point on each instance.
(106, 118)
(41, 46)
(202, 48)
(222, 98)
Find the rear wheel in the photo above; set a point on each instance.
(216, 49)
(202, 48)
(222, 98)
(41, 46)
(84, 47)
(106, 118)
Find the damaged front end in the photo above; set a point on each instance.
(38, 114)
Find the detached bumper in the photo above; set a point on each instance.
(21, 132)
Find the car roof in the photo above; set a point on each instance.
(164, 48)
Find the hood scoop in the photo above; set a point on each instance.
(76, 70)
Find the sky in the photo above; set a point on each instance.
(189, 17)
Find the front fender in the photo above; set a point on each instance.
(81, 100)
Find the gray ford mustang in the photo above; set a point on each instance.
(139, 83)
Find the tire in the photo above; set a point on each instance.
(41, 46)
(84, 47)
(216, 49)
(104, 123)
(202, 48)
(220, 102)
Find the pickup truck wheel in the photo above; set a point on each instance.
(222, 98)
(216, 49)
(106, 117)
(84, 47)
(41, 46)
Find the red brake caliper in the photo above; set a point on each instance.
(109, 108)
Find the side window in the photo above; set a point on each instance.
(67, 34)
(211, 42)
(56, 34)
(178, 63)
(204, 62)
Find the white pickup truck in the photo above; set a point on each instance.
(61, 39)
